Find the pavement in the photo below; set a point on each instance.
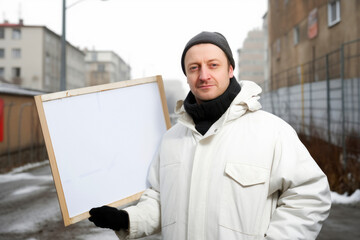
(29, 210)
(343, 223)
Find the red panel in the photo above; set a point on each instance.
(1, 119)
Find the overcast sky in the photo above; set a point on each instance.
(148, 34)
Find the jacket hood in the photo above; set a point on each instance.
(246, 100)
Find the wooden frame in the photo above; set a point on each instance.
(54, 111)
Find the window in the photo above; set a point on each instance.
(16, 33)
(277, 48)
(47, 80)
(278, 45)
(16, 71)
(94, 56)
(2, 73)
(16, 74)
(299, 73)
(2, 33)
(296, 31)
(16, 53)
(333, 12)
(47, 38)
(101, 67)
(2, 53)
(47, 57)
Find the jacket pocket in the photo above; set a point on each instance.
(243, 199)
(246, 175)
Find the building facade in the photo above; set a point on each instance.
(105, 67)
(251, 57)
(266, 84)
(302, 31)
(30, 57)
(175, 90)
(21, 138)
(314, 59)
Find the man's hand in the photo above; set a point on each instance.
(109, 217)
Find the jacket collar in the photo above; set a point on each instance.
(246, 100)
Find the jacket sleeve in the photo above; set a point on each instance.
(304, 197)
(145, 215)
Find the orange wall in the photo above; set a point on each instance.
(21, 124)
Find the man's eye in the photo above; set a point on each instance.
(193, 68)
(213, 65)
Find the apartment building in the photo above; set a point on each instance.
(30, 58)
(300, 32)
(251, 57)
(105, 67)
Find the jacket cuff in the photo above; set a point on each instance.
(133, 223)
(122, 234)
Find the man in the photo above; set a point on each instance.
(226, 170)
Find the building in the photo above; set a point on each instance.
(105, 67)
(303, 31)
(266, 84)
(315, 80)
(30, 57)
(21, 139)
(251, 57)
(174, 91)
(314, 55)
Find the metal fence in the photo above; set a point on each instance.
(23, 140)
(321, 98)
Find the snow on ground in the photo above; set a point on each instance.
(101, 234)
(29, 189)
(18, 173)
(345, 199)
(31, 220)
(9, 177)
(29, 166)
(26, 219)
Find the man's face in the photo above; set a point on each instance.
(208, 71)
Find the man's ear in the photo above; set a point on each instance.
(231, 71)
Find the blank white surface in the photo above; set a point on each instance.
(104, 142)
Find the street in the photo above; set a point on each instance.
(343, 223)
(29, 210)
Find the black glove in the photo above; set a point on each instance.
(110, 217)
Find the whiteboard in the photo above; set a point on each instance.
(101, 140)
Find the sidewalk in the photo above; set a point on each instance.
(343, 223)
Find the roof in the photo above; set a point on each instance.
(16, 90)
(10, 25)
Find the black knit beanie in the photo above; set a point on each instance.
(209, 37)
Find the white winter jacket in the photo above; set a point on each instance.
(249, 177)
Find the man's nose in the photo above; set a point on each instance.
(204, 73)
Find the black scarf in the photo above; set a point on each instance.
(207, 113)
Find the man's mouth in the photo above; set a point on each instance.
(205, 86)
